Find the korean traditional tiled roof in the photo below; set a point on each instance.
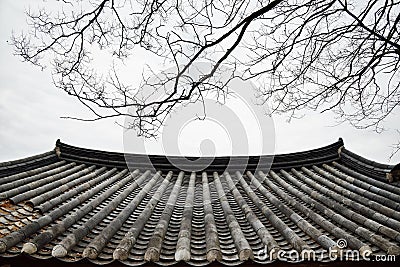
(78, 204)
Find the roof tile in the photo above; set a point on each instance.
(87, 204)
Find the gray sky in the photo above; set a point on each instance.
(31, 107)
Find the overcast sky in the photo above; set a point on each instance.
(31, 107)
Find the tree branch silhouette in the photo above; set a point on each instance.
(336, 55)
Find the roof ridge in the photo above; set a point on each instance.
(119, 159)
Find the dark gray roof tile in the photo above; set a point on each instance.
(87, 204)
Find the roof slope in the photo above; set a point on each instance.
(75, 203)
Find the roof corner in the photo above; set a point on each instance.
(394, 174)
(57, 148)
(341, 146)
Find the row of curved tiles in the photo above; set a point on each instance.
(69, 210)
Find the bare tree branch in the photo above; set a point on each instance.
(335, 55)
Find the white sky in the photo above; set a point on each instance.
(31, 107)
